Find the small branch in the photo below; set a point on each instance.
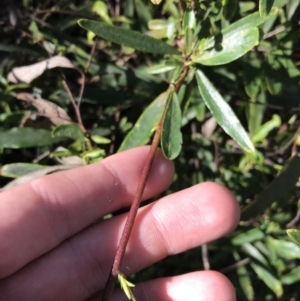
(107, 294)
(77, 112)
(205, 259)
(294, 221)
(115, 270)
(274, 32)
(235, 265)
(88, 63)
(83, 76)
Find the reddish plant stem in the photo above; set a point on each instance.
(107, 294)
(113, 276)
(77, 111)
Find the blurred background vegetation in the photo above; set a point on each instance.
(44, 130)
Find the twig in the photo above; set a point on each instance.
(76, 108)
(88, 63)
(274, 32)
(117, 8)
(205, 259)
(107, 294)
(235, 265)
(115, 270)
(83, 76)
(293, 222)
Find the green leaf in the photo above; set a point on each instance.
(92, 156)
(276, 190)
(233, 45)
(291, 277)
(275, 74)
(271, 281)
(241, 28)
(26, 137)
(15, 48)
(222, 112)
(262, 132)
(71, 131)
(127, 37)
(142, 11)
(252, 20)
(247, 237)
(15, 170)
(244, 278)
(285, 249)
(148, 121)
(265, 7)
(294, 235)
(100, 8)
(171, 137)
(229, 9)
(163, 67)
(100, 140)
(126, 286)
(189, 19)
(156, 2)
(255, 253)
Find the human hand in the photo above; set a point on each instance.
(51, 249)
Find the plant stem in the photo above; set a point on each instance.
(77, 111)
(107, 294)
(113, 276)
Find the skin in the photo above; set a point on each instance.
(52, 249)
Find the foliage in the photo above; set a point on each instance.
(236, 62)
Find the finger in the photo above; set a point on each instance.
(36, 217)
(79, 267)
(197, 286)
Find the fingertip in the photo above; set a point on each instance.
(196, 286)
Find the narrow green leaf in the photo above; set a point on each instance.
(255, 253)
(142, 130)
(291, 277)
(156, 2)
(26, 137)
(93, 155)
(163, 67)
(243, 25)
(171, 137)
(127, 37)
(244, 279)
(276, 190)
(271, 281)
(252, 20)
(189, 19)
(229, 9)
(14, 48)
(222, 112)
(125, 286)
(265, 7)
(15, 170)
(188, 40)
(262, 132)
(247, 237)
(294, 235)
(275, 75)
(143, 11)
(100, 140)
(285, 249)
(233, 45)
(71, 131)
